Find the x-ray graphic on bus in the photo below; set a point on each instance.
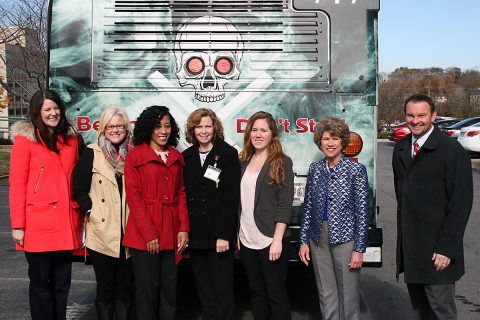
(300, 60)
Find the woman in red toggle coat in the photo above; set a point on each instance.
(158, 226)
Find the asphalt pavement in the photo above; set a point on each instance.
(382, 297)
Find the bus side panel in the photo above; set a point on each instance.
(299, 60)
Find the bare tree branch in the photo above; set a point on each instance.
(23, 47)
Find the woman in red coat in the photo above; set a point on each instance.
(158, 226)
(46, 222)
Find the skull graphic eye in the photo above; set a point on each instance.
(195, 65)
(223, 65)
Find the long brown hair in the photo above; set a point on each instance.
(275, 151)
(63, 127)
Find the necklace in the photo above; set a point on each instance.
(163, 155)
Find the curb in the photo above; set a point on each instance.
(4, 177)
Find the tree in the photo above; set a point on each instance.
(23, 31)
(3, 98)
(450, 89)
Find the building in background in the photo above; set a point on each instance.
(475, 100)
(15, 73)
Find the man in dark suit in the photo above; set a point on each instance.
(434, 189)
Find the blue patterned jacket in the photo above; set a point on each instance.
(346, 189)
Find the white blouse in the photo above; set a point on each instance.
(249, 235)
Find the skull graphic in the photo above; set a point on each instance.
(208, 51)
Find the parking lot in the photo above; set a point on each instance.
(382, 296)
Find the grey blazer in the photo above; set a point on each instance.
(272, 204)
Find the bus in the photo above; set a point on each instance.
(300, 60)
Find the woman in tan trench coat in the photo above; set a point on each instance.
(100, 190)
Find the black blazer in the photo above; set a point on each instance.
(434, 195)
(212, 211)
(272, 204)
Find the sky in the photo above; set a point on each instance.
(426, 33)
(429, 33)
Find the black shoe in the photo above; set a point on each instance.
(104, 312)
(123, 311)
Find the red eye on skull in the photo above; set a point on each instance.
(223, 65)
(195, 65)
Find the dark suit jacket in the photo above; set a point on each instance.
(272, 204)
(434, 195)
(212, 211)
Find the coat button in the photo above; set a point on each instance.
(103, 200)
(204, 212)
(103, 219)
(100, 181)
(165, 197)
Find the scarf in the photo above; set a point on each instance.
(115, 158)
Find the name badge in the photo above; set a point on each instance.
(212, 173)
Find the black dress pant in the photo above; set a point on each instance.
(50, 275)
(114, 277)
(155, 284)
(214, 281)
(433, 301)
(268, 283)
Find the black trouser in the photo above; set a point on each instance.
(114, 277)
(155, 284)
(214, 281)
(50, 275)
(433, 301)
(268, 283)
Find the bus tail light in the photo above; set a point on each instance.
(355, 145)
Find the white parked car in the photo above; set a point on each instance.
(469, 138)
(454, 130)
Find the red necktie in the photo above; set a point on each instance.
(415, 149)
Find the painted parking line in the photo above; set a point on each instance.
(77, 311)
(27, 279)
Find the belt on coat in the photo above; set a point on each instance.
(161, 220)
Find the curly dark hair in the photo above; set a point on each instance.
(148, 120)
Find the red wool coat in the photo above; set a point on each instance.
(41, 192)
(156, 197)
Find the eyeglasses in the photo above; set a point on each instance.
(116, 127)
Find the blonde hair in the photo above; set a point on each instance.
(275, 151)
(107, 115)
(194, 119)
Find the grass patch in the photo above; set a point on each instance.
(4, 163)
(382, 135)
(5, 141)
